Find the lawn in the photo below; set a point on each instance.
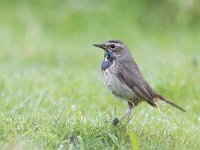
(51, 92)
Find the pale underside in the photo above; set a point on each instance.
(117, 87)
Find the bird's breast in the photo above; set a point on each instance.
(115, 85)
(106, 64)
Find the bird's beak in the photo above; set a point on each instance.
(103, 46)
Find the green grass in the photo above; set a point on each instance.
(51, 92)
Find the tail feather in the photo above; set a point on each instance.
(170, 102)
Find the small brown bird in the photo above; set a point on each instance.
(124, 79)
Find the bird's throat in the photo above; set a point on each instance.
(108, 60)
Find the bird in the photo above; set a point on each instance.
(124, 79)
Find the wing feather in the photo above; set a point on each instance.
(129, 73)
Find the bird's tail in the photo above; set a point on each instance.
(170, 102)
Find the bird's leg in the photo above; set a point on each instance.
(128, 113)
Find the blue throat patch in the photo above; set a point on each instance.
(107, 63)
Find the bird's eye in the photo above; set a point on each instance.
(112, 45)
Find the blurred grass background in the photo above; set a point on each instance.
(50, 80)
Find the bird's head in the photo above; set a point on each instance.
(112, 48)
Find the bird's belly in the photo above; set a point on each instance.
(117, 87)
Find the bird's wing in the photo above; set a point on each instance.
(129, 73)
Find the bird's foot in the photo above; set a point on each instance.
(128, 115)
(115, 120)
